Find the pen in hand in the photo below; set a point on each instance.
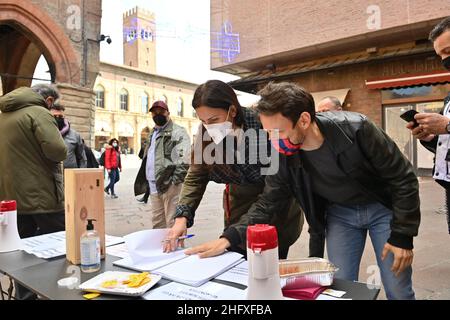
(188, 236)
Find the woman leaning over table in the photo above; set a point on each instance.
(223, 118)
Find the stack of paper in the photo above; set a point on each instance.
(237, 274)
(194, 271)
(53, 245)
(145, 251)
(119, 251)
(146, 254)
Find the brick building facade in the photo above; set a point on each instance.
(374, 57)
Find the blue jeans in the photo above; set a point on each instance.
(113, 179)
(346, 234)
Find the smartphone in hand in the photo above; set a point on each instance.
(408, 116)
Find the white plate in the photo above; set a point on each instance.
(94, 284)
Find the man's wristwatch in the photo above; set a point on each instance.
(447, 127)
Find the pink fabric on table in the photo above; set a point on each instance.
(304, 294)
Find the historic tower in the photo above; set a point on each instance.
(139, 45)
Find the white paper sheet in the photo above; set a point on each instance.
(113, 240)
(237, 274)
(119, 251)
(326, 297)
(194, 271)
(53, 245)
(146, 251)
(146, 245)
(46, 246)
(208, 291)
(150, 266)
(334, 293)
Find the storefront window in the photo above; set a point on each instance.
(425, 157)
(395, 127)
(419, 98)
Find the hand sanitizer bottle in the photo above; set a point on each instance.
(90, 249)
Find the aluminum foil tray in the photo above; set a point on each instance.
(306, 273)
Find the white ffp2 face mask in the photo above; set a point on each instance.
(219, 131)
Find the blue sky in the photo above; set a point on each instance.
(183, 38)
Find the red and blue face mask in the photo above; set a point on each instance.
(286, 147)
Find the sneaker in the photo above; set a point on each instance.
(107, 191)
(142, 200)
(114, 196)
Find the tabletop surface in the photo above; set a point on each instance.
(18, 260)
(41, 276)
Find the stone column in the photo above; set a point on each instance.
(80, 110)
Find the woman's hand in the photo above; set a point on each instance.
(210, 249)
(179, 229)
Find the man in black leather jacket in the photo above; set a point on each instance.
(350, 179)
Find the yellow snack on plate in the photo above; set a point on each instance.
(109, 284)
(140, 283)
(137, 280)
(90, 296)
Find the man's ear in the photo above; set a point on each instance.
(304, 121)
(50, 101)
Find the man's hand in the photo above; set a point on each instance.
(210, 249)
(179, 229)
(403, 258)
(418, 133)
(432, 123)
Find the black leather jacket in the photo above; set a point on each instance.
(368, 156)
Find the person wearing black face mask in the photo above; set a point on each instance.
(434, 128)
(60, 120)
(34, 178)
(160, 120)
(160, 175)
(76, 155)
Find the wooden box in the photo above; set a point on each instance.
(84, 199)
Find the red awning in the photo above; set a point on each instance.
(410, 80)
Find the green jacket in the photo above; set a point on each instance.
(172, 147)
(31, 153)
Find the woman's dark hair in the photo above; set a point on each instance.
(218, 94)
(112, 141)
